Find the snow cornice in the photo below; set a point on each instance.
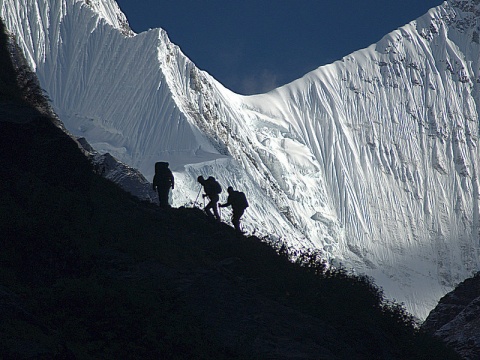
(110, 11)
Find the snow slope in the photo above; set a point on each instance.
(372, 159)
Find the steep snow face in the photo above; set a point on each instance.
(373, 159)
(394, 129)
(140, 99)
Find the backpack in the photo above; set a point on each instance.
(239, 200)
(163, 175)
(160, 167)
(212, 186)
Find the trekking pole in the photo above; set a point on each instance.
(195, 203)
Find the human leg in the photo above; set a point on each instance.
(163, 197)
(237, 214)
(213, 204)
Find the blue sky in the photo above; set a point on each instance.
(254, 46)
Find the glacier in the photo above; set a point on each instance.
(372, 160)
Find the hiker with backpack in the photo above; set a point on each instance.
(238, 201)
(163, 180)
(212, 189)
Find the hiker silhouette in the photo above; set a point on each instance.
(212, 189)
(238, 201)
(162, 182)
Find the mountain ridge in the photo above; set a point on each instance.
(455, 319)
(370, 159)
(90, 271)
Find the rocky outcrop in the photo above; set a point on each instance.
(456, 319)
(128, 178)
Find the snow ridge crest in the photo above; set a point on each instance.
(110, 11)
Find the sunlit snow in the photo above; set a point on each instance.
(372, 159)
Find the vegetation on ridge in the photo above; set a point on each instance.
(87, 271)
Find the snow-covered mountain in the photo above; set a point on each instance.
(373, 159)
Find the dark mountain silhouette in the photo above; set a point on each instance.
(456, 318)
(88, 271)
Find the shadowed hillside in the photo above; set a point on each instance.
(89, 272)
(456, 318)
